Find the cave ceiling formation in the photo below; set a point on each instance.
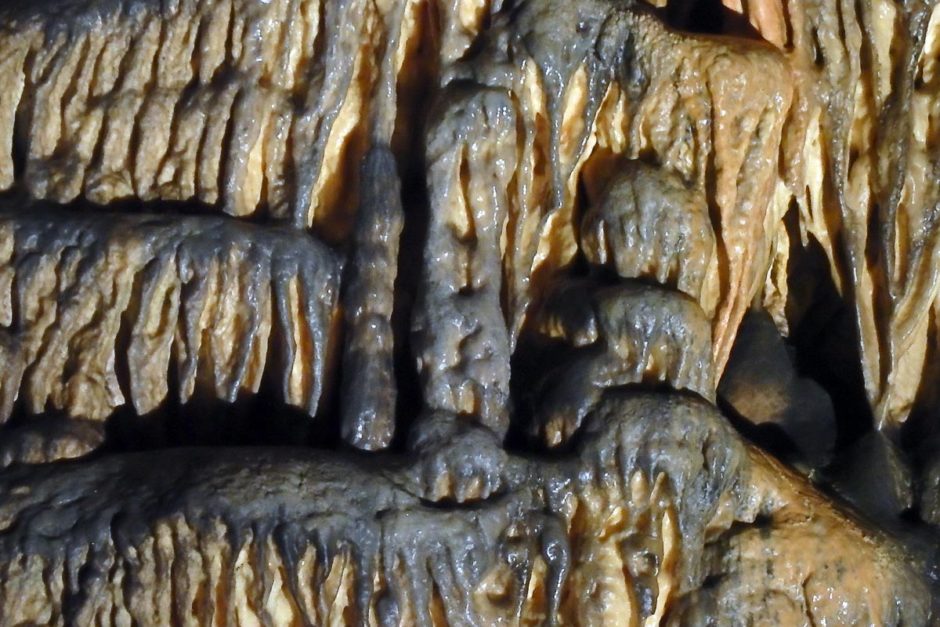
(469, 312)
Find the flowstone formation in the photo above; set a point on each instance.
(469, 312)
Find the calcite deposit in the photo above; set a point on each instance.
(430, 312)
(88, 295)
(863, 160)
(661, 515)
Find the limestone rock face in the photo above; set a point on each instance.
(422, 312)
(660, 515)
(255, 107)
(862, 151)
(87, 296)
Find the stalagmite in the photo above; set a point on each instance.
(369, 397)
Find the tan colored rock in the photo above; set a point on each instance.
(557, 97)
(863, 169)
(802, 561)
(568, 143)
(627, 87)
(261, 108)
(180, 122)
(100, 308)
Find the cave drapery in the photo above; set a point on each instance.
(469, 312)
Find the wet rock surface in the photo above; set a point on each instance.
(420, 312)
(658, 499)
(99, 309)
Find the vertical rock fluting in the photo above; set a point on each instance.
(88, 83)
(556, 97)
(323, 87)
(863, 164)
(101, 310)
(260, 108)
(591, 176)
(593, 84)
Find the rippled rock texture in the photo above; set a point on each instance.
(423, 312)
